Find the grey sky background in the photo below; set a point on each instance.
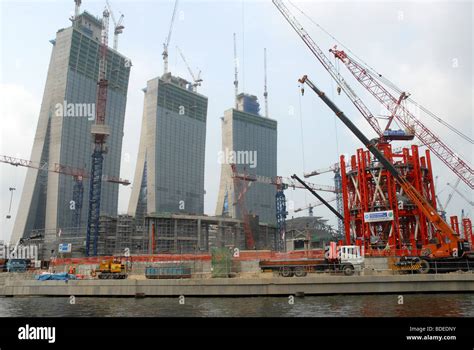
(423, 47)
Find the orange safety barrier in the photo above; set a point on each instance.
(243, 255)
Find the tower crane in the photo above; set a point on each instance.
(118, 26)
(78, 175)
(100, 132)
(167, 40)
(314, 205)
(196, 80)
(448, 244)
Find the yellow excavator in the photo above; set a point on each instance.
(111, 268)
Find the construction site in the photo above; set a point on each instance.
(391, 225)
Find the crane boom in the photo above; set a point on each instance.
(327, 64)
(168, 38)
(118, 26)
(332, 168)
(451, 194)
(236, 73)
(265, 90)
(56, 168)
(454, 187)
(407, 119)
(284, 182)
(314, 205)
(196, 80)
(449, 239)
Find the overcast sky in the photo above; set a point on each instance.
(425, 48)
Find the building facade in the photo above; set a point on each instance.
(169, 176)
(51, 201)
(250, 142)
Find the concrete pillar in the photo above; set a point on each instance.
(152, 224)
(175, 235)
(206, 247)
(199, 243)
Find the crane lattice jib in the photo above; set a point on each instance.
(316, 50)
(408, 120)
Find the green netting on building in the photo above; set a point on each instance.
(221, 262)
(84, 59)
(173, 98)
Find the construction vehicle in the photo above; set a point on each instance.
(446, 246)
(111, 269)
(345, 259)
(18, 265)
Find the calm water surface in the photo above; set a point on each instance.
(422, 305)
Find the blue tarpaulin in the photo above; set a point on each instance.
(55, 276)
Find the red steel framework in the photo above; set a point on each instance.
(367, 187)
(467, 225)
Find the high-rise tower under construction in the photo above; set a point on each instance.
(52, 201)
(169, 176)
(250, 142)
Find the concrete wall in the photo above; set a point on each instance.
(245, 286)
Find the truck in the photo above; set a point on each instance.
(344, 259)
